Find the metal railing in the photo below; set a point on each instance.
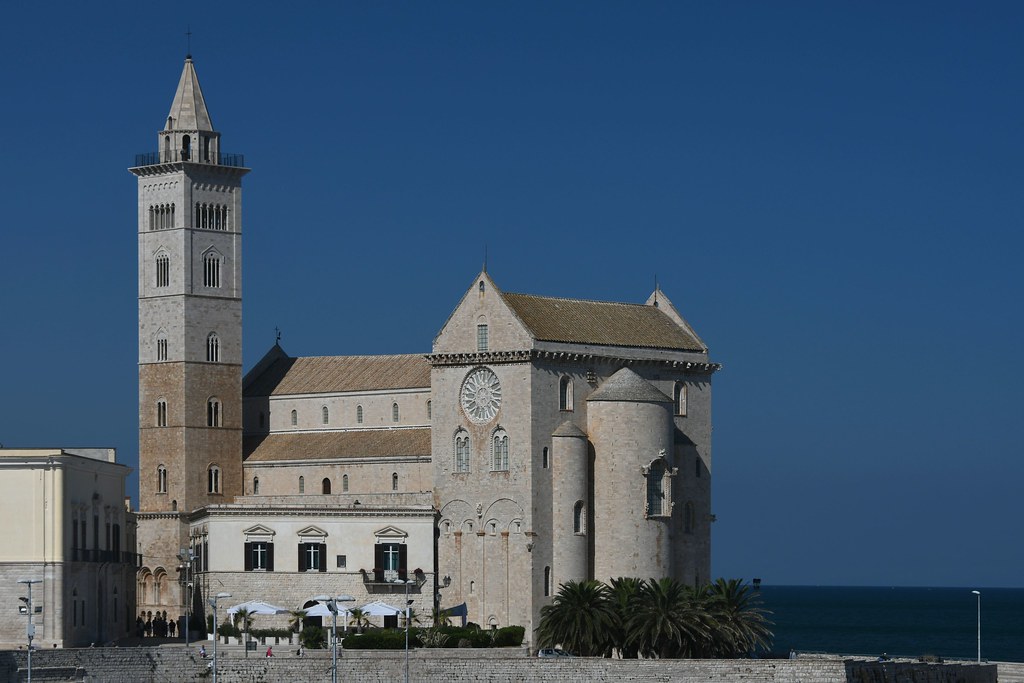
(176, 155)
(122, 557)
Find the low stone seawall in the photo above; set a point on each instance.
(176, 665)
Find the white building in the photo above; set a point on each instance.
(73, 533)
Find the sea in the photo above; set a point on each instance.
(898, 621)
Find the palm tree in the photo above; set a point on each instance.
(580, 619)
(358, 618)
(625, 592)
(413, 617)
(667, 620)
(243, 620)
(295, 619)
(442, 617)
(744, 624)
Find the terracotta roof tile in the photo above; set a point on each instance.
(330, 374)
(364, 443)
(599, 322)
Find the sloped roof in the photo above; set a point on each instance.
(188, 110)
(331, 374)
(365, 443)
(626, 385)
(599, 322)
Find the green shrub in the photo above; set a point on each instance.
(271, 633)
(313, 638)
(509, 636)
(227, 629)
(381, 639)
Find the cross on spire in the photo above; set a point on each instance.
(188, 41)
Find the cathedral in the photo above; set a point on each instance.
(539, 440)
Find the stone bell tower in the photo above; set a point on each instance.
(190, 336)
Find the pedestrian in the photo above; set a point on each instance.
(202, 651)
(270, 651)
(170, 628)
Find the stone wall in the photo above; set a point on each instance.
(176, 665)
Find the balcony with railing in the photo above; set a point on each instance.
(177, 155)
(114, 556)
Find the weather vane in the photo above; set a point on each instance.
(278, 331)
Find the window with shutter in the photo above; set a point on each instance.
(248, 557)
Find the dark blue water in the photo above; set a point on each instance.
(907, 622)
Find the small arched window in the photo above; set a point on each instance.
(565, 394)
(161, 347)
(326, 485)
(579, 518)
(462, 451)
(214, 413)
(186, 147)
(295, 418)
(544, 458)
(547, 581)
(344, 483)
(394, 481)
(359, 415)
(213, 479)
(211, 270)
(255, 486)
(429, 411)
(656, 489)
(688, 518)
(302, 484)
(212, 348)
(680, 398)
(163, 270)
(161, 413)
(394, 412)
(161, 479)
(499, 451)
(325, 415)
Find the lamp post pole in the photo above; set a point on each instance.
(332, 604)
(213, 603)
(978, 593)
(186, 558)
(30, 628)
(408, 602)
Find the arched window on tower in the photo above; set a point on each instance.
(429, 411)
(499, 451)
(302, 484)
(213, 479)
(579, 518)
(547, 581)
(359, 415)
(462, 451)
(163, 270)
(211, 270)
(565, 393)
(214, 413)
(186, 147)
(679, 398)
(161, 479)
(161, 347)
(325, 486)
(394, 481)
(325, 415)
(161, 413)
(344, 483)
(295, 418)
(256, 486)
(212, 348)
(394, 412)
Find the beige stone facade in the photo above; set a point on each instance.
(540, 440)
(76, 537)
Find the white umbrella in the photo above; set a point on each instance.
(256, 607)
(380, 609)
(321, 609)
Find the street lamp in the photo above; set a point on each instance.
(978, 593)
(408, 602)
(186, 557)
(332, 605)
(213, 604)
(30, 628)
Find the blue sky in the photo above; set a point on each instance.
(829, 192)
